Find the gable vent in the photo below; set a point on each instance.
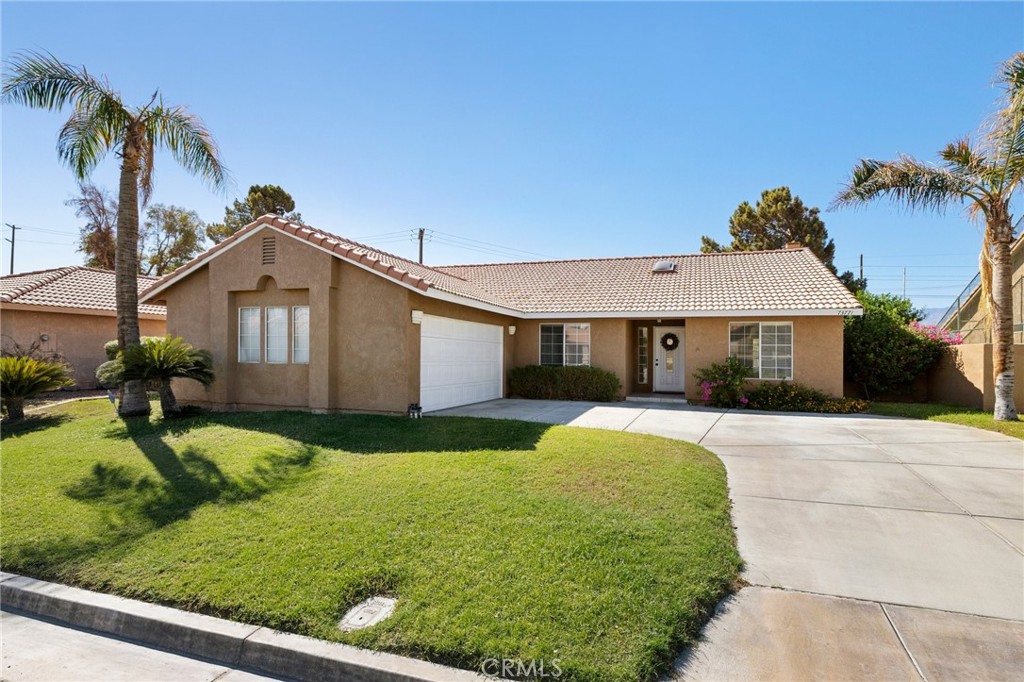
(664, 266)
(269, 250)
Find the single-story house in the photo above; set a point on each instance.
(296, 317)
(69, 313)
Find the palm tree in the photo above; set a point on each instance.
(100, 122)
(24, 377)
(161, 359)
(984, 175)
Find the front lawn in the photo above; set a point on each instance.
(501, 539)
(952, 414)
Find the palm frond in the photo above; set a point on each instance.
(88, 134)
(146, 155)
(907, 182)
(1005, 136)
(41, 81)
(185, 135)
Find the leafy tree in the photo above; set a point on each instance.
(778, 219)
(159, 360)
(22, 376)
(170, 237)
(100, 122)
(882, 352)
(97, 239)
(984, 174)
(261, 200)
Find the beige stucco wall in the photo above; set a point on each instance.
(817, 348)
(79, 338)
(971, 320)
(364, 347)
(610, 348)
(963, 376)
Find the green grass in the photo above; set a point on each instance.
(501, 539)
(952, 414)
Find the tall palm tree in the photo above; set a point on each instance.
(985, 175)
(100, 122)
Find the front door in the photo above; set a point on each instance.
(669, 376)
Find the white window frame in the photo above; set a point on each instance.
(563, 325)
(284, 335)
(295, 335)
(757, 360)
(258, 336)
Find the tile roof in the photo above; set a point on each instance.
(785, 280)
(791, 279)
(71, 287)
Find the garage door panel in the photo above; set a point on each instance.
(460, 362)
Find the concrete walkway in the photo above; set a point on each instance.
(896, 547)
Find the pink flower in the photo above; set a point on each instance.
(744, 400)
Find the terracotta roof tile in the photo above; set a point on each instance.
(70, 287)
(791, 279)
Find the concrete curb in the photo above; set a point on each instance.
(249, 647)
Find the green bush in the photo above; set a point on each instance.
(24, 377)
(721, 383)
(790, 397)
(543, 382)
(882, 353)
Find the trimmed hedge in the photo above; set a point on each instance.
(542, 382)
(790, 397)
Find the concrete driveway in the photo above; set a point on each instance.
(876, 548)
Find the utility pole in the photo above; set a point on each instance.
(904, 282)
(862, 267)
(11, 240)
(422, 232)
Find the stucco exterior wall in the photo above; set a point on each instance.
(817, 348)
(79, 338)
(609, 345)
(364, 347)
(971, 319)
(963, 376)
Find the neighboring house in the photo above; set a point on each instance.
(968, 316)
(298, 318)
(69, 312)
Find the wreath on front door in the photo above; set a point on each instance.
(670, 341)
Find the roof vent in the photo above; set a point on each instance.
(664, 266)
(269, 250)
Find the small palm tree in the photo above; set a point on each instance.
(101, 122)
(159, 360)
(24, 377)
(985, 175)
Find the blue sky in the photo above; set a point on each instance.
(565, 130)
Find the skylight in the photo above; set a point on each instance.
(664, 266)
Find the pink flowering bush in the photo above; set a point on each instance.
(721, 384)
(936, 333)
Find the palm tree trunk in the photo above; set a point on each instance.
(126, 267)
(15, 409)
(1001, 316)
(168, 403)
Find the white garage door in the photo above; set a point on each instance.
(460, 362)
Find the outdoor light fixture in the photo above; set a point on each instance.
(417, 316)
(44, 337)
(511, 330)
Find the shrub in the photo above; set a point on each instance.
(885, 350)
(790, 397)
(161, 359)
(24, 377)
(721, 383)
(543, 382)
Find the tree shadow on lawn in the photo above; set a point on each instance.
(370, 433)
(30, 424)
(133, 505)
